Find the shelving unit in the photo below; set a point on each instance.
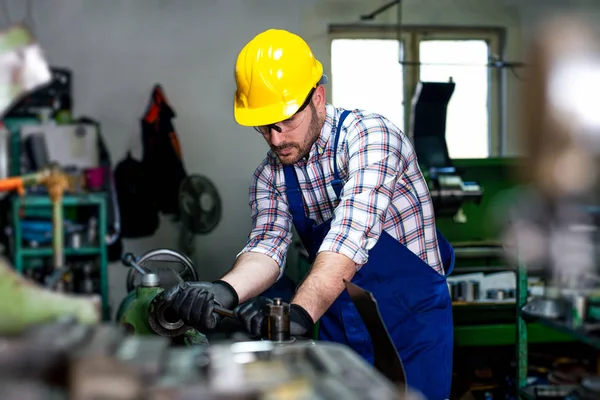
(98, 251)
(524, 333)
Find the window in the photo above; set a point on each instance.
(366, 73)
(467, 118)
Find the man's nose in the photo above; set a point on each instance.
(276, 138)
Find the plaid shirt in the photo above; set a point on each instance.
(384, 190)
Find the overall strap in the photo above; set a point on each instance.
(337, 182)
(295, 201)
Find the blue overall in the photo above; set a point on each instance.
(413, 298)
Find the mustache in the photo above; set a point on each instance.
(284, 146)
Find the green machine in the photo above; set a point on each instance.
(143, 311)
(470, 198)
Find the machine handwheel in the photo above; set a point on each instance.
(185, 270)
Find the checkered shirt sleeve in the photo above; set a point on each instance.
(271, 232)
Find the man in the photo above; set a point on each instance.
(350, 184)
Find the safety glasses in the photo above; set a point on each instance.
(291, 123)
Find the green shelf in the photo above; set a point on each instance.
(41, 203)
(505, 335)
(47, 251)
(580, 334)
(36, 200)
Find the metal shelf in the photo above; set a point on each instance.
(524, 333)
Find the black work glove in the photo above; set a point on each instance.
(194, 302)
(254, 315)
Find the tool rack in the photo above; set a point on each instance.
(41, 204)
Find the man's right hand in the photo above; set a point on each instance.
(194, 302)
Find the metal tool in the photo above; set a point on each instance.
(224, 312)
(129, 260)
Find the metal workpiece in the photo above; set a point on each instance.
(278, 322)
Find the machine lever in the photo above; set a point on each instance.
(129, 260)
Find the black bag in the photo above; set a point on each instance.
(137, 205)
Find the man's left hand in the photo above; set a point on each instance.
(254, 315)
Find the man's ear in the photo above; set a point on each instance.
(319, 97)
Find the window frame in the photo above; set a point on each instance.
(411, 36)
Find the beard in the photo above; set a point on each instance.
(291, 153)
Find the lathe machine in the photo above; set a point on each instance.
(65, 353)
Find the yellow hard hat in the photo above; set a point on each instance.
(274, 73)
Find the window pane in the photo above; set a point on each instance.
(366, 74)
(467, 121)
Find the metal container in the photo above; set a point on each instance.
(455, 291)
(576, 310)
(496, 294)
(469, 290)
(75, 240)
(545, 307)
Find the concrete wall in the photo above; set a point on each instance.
(118, 49)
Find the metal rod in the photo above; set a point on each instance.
(57, 234)
(378, 11)
(224, 312)
(521, 331)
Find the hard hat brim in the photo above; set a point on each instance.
(265, 115)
